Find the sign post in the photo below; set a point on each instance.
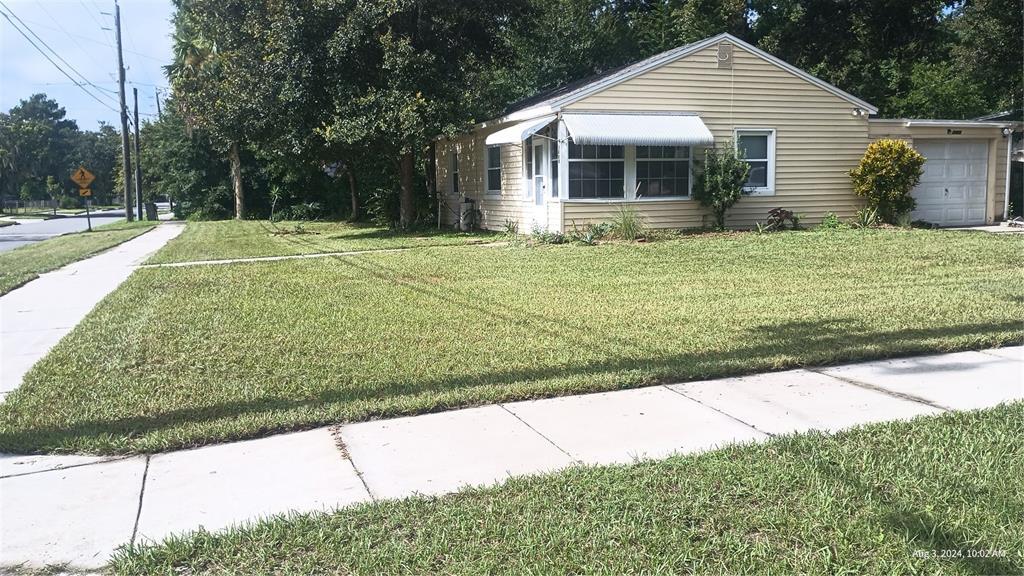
(83, 178)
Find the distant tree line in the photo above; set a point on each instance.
(328, 107)
(40, 148)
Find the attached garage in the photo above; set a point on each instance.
(964, 180)
(952, 188)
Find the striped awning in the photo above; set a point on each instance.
(661, 129)
(518, 132)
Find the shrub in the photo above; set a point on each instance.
(511, 227)
(627, 224)
(720, 184)
(865, 218)
(886, 174)
(831, 221)
(589, 234)
(541, 236)
(69, 202)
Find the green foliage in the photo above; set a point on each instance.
(885, 176)
(720, 184)
(590, 233)
(542, 236)
(830, 221)
(866, 218)
(511, 227)
(627, 224)
(37, 141)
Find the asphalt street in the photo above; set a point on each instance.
(26, 233)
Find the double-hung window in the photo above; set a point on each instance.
(596, 171)
(455, 172)
(757, 147)
(662, 171)
(494, 169)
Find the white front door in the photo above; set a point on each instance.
(539, 184)
(952, 191)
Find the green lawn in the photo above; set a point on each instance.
(26, 263)
(254, 238)
(876, 500)
(202, 354)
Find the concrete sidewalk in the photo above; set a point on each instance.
(36, 316)
(76, 510)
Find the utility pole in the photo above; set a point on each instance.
(126, 164)
(156, 94)
(138, 157)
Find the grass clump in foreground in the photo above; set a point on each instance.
(256, 238)
(203, 354)
(875, 500)
(26, 263)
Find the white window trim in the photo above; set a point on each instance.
(689, 179)
(768, 190)
(488, 168)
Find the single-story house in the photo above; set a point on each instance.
(630, 136)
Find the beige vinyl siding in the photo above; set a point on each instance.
(997, 144)
(818, 140)
(495, 209)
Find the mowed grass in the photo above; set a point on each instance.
(225, 240)
(892, 498)
(204, 354)
(26, 263)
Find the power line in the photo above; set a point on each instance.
(42, 6)
(55, 65)
(43, 42)
(93, 40)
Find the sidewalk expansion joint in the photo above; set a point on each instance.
(339, 442)
(142, 493)
(722, 412)
(538, 433)
(881, 390)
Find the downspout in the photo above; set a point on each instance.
(1006, 193)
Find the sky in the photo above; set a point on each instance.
(74, 29)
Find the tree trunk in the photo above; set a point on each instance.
(406, 213)
(236, 180)
(352, 192)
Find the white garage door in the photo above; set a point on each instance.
(952, 188)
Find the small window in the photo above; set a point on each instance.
(455, 172)
(494, 169)
(757, 147)
(662, 171)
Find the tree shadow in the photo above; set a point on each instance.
(799, 343)
(922, 531)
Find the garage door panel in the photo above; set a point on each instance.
(953, 186)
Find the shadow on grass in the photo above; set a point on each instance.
(922, 531)
(624, 363)
(805, 342)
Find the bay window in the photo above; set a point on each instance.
(596, 171)
(662, 171)
(757, 147)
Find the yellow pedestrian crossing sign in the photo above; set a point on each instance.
(83, 178)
